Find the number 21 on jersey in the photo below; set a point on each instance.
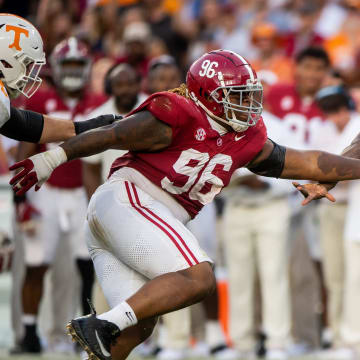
(196, 183)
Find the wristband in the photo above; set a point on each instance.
(55, 157)
(102, 120)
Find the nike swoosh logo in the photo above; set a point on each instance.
(239, 138)
(102, 348)
(129, 315)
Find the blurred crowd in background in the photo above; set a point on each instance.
(289, 276)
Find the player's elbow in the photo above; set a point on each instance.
(207, 281)
(211, 285)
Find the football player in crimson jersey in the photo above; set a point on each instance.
(22, 57)
(183, 147)
(295, 103)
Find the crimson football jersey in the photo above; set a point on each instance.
(199, 161)
(298, 113)
(48, 101)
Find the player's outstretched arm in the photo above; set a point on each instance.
(317, 191)
(319, 166)
(287, 163)
(139, 132)
(25, 125)
(56, 130)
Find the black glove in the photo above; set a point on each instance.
(102, 120)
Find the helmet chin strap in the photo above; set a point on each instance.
(237, 127)
(13, 93)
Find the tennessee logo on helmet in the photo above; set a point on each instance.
(22, 55)
(18, 31)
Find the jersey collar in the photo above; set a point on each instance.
(216, 126)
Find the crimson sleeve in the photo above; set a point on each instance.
(164, 109)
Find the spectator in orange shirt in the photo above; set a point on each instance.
(344, 47)
(270, 58)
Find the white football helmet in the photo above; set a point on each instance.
(21, 55)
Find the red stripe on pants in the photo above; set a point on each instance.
(166, 224)
(140, 211)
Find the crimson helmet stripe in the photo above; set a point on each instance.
(248, 67)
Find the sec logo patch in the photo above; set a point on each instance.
(200, 134)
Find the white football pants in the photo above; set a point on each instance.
(133, 238)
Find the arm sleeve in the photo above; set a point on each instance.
(23, 125)
(273, 165)
(102, 120)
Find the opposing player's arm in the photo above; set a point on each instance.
(30, 126)
(56, 129)
(139, 132)
(23, 125)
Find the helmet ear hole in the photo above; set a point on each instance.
(6, 64)
(208, 97)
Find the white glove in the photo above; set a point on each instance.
(36, 169)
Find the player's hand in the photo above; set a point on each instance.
(36, 170)
(314, 192)
(29, 176)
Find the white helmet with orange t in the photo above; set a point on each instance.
(21, 55)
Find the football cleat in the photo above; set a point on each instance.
(30, 344)
(95, 336)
